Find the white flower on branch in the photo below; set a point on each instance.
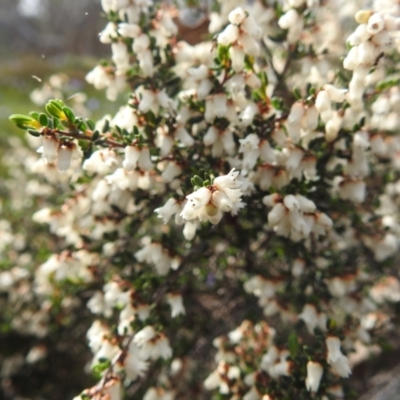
(176, 303)
(101, 162)
(152, 344)
(208, 203)
(132, 364)
(153, 253)
(137, 156)
(152, 100)
(296, 217)
(314, 375)
(249, 146)
(49, 148)
(336, 358)
(170, 208)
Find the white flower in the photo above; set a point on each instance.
(108, 33)
(129, 30)
(310, 317)
(132, 154)
(237, 55)
(153, 253)
(170, 208)
(65, 153)
(144, 335)
(375, 23)
(314, 375)
(229, 35)
(153, 100)
(134, 366)
(183, 136)
(298, 267)
(237, 16)
(141, 43)
(323, 101)
(336, 358)
(49, 148)
(385, 248)
(171, 171)
(146, 62)
(282, 368)
(196, 201)
(252, 394)
(353, 190)
(176, 303)
(249, 44)
(189, 230)
(152, 345)
(208, 203)
(99, 78)
(288, 19)
(249, 146)
(120, 56)
(269, 358)
(101, 161)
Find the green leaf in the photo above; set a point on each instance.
(297, 93)
(69, 114)
(44, 121)
(293, 344)
(331, 324)
(34, 115)
(102, 366)
(381, 86)
(277, 103)
(197, 181)
(82, 126)
(96, 135)
(20, 118)
(90, 124)
(223, 53)
(53, 109)
(106, 126)
(58, 103)
(33, 132)
(24, 121)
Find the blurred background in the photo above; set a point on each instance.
(39, 38)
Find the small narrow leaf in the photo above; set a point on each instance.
(293, 344)
(197, 181)
(43, 119)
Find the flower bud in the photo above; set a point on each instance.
(363, 16)
(237, 16)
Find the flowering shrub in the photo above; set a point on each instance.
(260, 164)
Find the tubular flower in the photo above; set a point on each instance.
(208, 203)
(336, 358)
(314, 375)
